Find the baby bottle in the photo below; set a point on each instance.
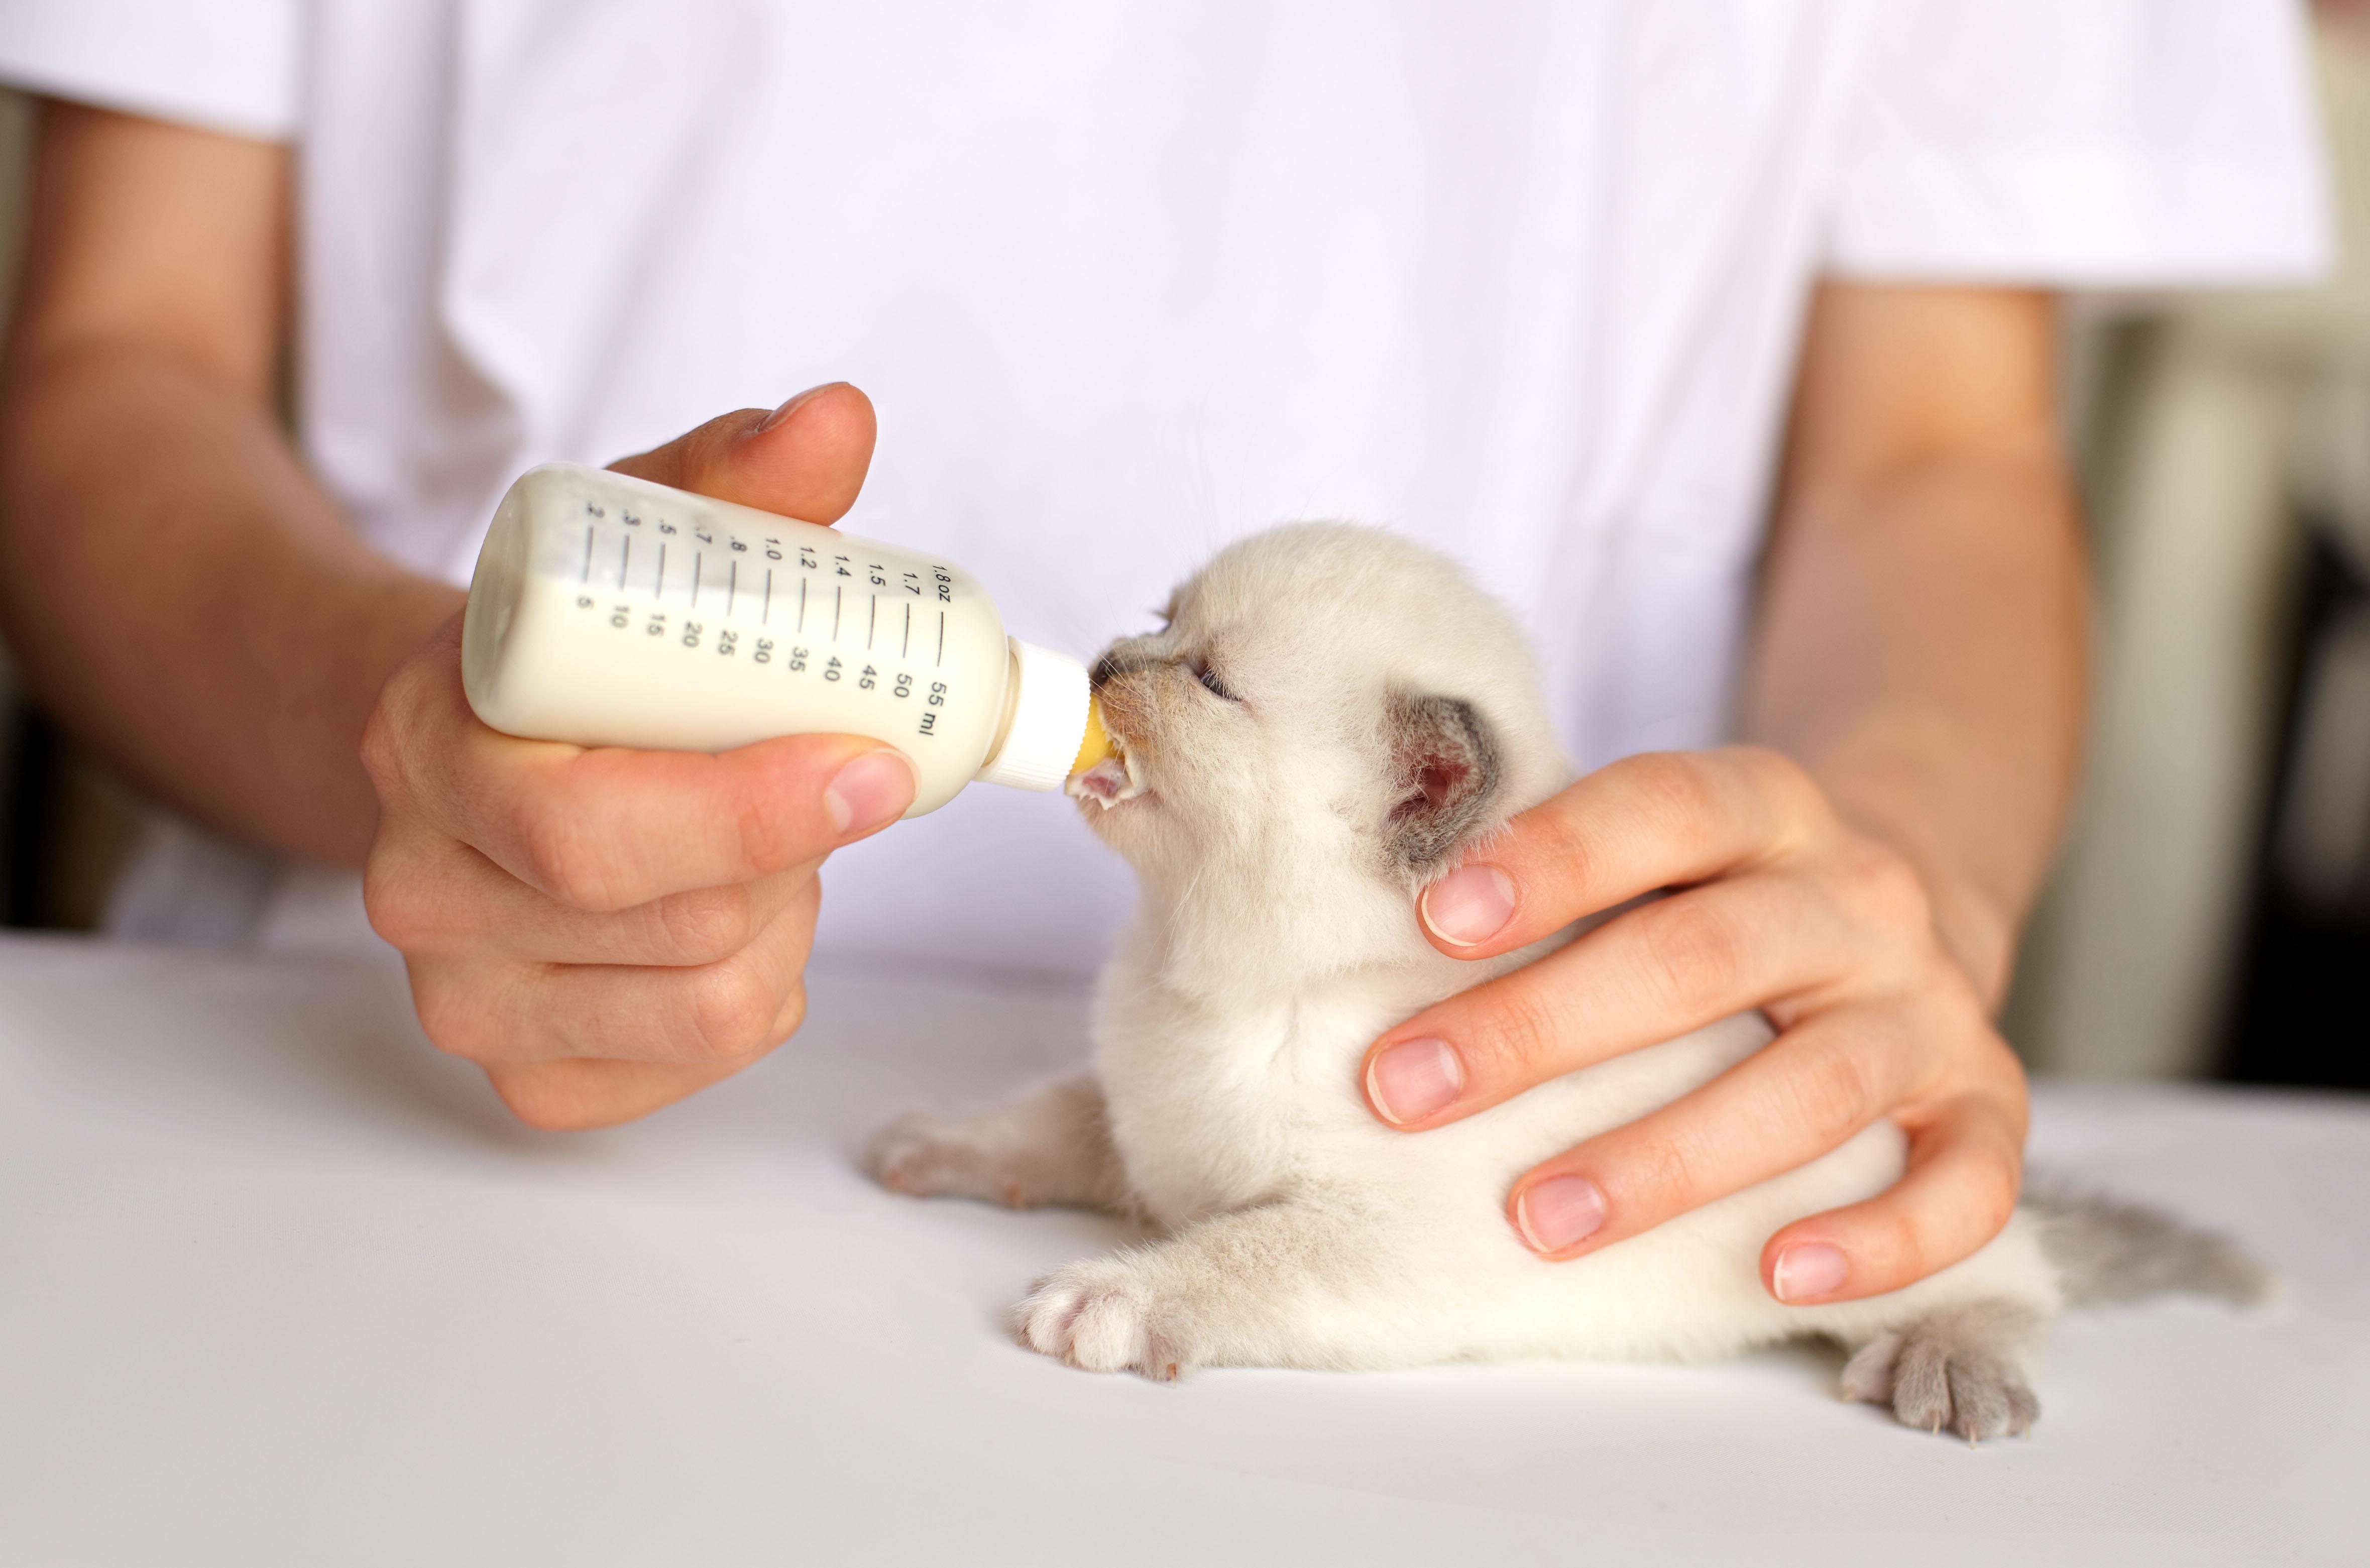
(609, 611)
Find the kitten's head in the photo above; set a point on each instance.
(1330, 717)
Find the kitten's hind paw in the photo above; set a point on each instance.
(929, 1155)
(1100, 1316)
(1957, 1371)
(1049, 1146)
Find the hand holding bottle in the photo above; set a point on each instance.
(606, 932)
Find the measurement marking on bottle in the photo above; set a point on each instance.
(942, 637)
(659, 590)
(803, 605)
(588, 554)
(625, 560)
(696, 558)
(873, 625)
(731, 584)
(838, 600)
(905, 648)
(766, 611)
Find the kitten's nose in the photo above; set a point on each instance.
(1112, 666)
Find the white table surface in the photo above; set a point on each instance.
(279, 1285)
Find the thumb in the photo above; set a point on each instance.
(806, 459)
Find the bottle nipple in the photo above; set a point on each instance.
(1097, 745)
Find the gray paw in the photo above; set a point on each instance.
(927, 1155)
(1956, 1371)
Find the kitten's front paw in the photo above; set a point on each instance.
(929, 1155)
(1938, 1376)
(1103, 1316)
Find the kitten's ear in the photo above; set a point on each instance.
(1445, 768)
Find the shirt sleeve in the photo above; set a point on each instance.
(224, 64)
(2083, 144)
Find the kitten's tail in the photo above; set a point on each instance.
(2107, 1251)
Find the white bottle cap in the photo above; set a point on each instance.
(1049, 720)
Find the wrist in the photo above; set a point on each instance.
(378, 616)
(398, 612)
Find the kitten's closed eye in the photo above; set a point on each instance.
(1213, 684)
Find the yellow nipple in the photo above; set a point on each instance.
(1097, 745)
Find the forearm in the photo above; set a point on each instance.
(181, 595)
(1921, 651)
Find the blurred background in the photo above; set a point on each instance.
(2211, 917)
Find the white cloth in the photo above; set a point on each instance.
(1127, 281)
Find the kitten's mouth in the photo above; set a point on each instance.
(1115, 778)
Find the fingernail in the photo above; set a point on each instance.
(1468, 906)
(1413, 1078)
(872, 789)
(1808, 1270)
(787, 409)
(1563, 1211)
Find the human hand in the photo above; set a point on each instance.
(1782, 906)
(605, 931)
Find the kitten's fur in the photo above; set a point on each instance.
(1375, 714)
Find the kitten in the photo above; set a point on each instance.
(1331, 717)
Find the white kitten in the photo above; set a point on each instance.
(1330, 718)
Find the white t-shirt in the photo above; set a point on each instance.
(1127, 281)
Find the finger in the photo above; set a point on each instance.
(1782, 1107)
(1965, 1164)
(610, 827)
(498, 1013)
(1652, 821)
(806, 459)
(576, 1095)
(1650, 974)
(431, 895)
